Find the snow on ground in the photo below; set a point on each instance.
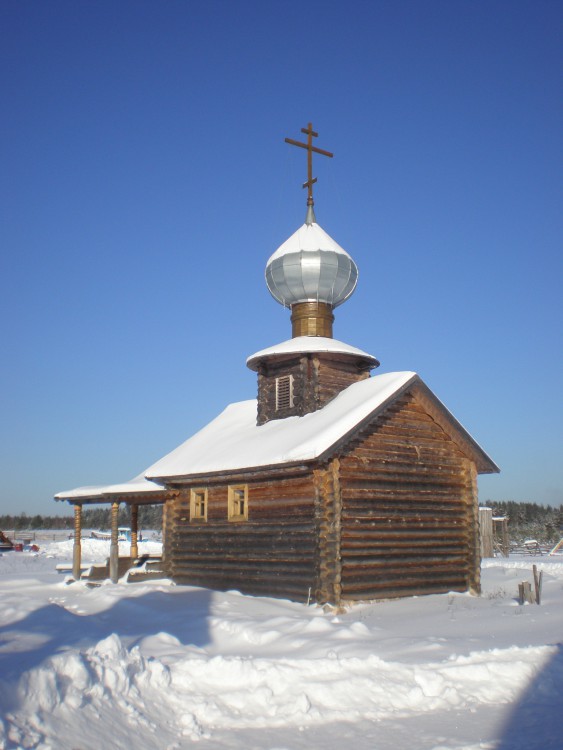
(158, 667)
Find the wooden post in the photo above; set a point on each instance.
(537, 583)
(114, 545)
(486, 532)
(77, 548)
(164, 524)
(504, 537)
(525, 592)
(134, 553)
(472, 515)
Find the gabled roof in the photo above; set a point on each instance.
(233, 442)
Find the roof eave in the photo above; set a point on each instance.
(179, 479)
(145, 498)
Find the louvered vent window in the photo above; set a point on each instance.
(284, 392)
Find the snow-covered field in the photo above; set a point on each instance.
(153, 666)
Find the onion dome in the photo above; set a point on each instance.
(311, 267)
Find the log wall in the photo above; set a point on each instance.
(409, 509)
(317, 379)
(273, 553)
(334, 377)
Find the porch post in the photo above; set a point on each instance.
(114, 545)
(77, 548)
(134, 553)
(164, 523)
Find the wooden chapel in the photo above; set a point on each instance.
(333, 485)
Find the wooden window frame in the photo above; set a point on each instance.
(284, 393)
(233, 508)
(195, 505)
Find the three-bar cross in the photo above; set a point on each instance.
(310, 133)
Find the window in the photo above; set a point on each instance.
(238, 503)
(284, 392)
(198, 505)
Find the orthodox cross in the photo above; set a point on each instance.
(310, 133)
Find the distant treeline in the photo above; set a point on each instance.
(525, 520)
(530, 520)
(150, 517)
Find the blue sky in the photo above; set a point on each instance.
(145, 182)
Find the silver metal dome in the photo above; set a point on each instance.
(311, 267)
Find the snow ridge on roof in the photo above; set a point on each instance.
(233, 441)
(309, 344)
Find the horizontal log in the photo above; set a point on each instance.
(272, 500)
(279, 590)
(178, 549)
(377, 470)
(389, 502)
(242, 570)
(368, 508)
(400, 550)
(402, 454)
(374, 468)
(268, 582)
(261, 516)
(219, 535)
(372, 464)
(380, 529)
(375, 537)
(394, 555)
(267, 493)
(370, 489)
(246, 476)
(403, 524)
(397, 428)
(244, 530)
(391, 438)
(401, 534)
(413, 484)
(398, 583)
(266, 557)
(369, 513)
(369, 593)
(389, 580)
(425, 565)
(366, 544)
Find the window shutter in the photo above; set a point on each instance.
(284, 392)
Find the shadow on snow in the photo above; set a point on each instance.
(536, 720)
(53, 629)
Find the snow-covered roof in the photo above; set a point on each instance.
(134, 486)
(233, 441)
(309, 344)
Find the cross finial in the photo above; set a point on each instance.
(310, 133)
